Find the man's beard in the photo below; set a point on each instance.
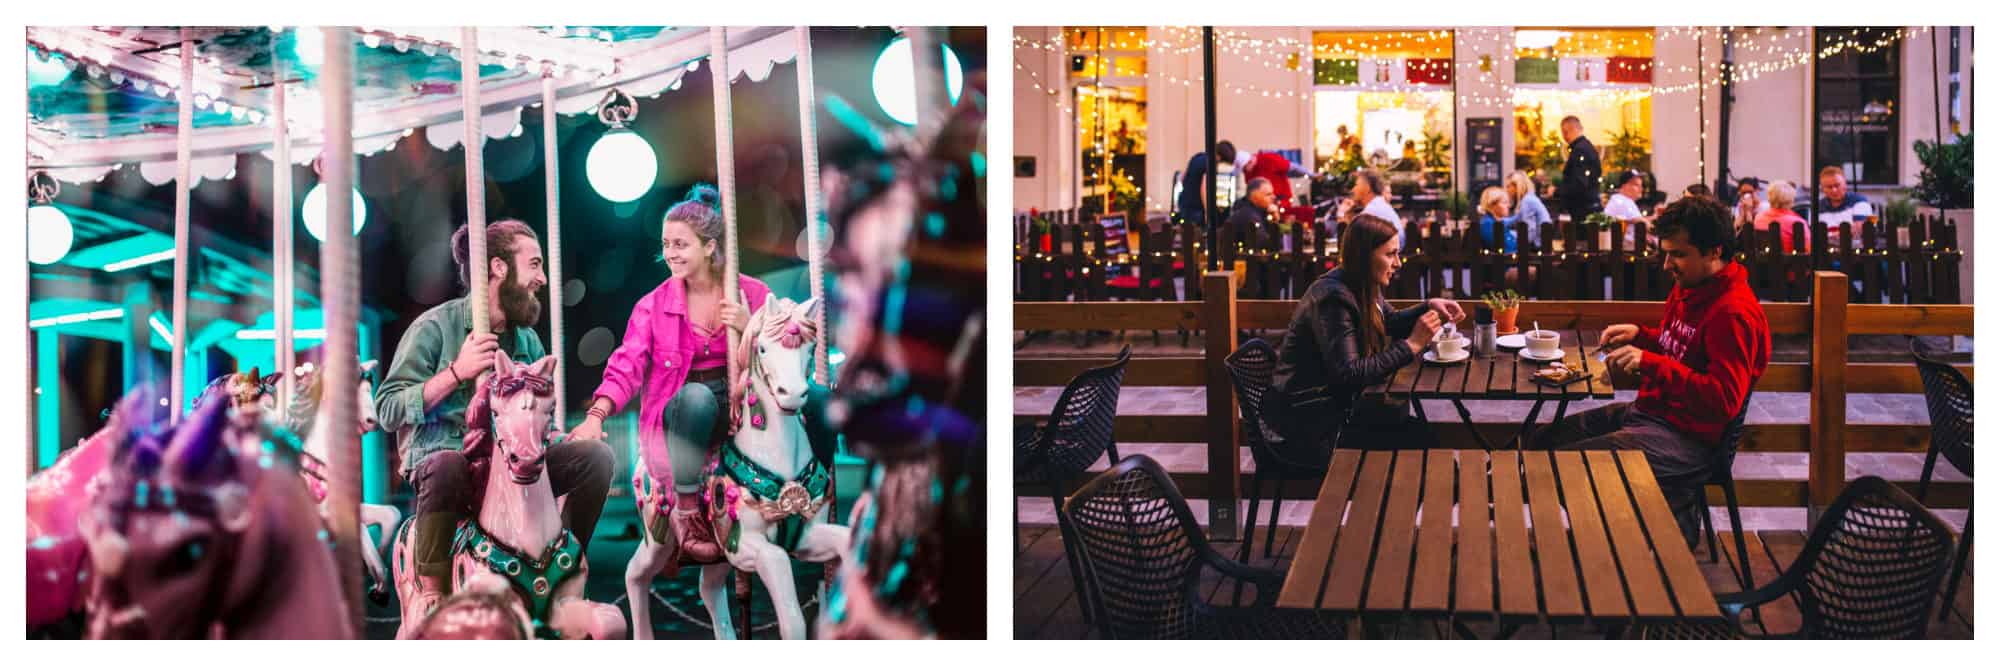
(520, 304)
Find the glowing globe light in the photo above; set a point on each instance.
(49, 234)
(309, 45)
(621, 166)
(313, 212)
(47, 72)
(896, 80)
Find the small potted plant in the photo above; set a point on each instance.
(1506, 305)
(1602, 224)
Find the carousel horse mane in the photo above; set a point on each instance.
(307, 391)
(782, 321)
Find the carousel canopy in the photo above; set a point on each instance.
(100, 97)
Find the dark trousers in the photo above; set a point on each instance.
(578, 469)
(1680, 463)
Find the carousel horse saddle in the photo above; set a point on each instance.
(535, 580)
(785, 503)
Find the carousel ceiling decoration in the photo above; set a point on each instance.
(100, 97)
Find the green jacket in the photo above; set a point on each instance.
(429, 345)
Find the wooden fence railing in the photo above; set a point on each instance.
(1826, 436)
(1069, 259)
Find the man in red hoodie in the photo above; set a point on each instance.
(1695, 368)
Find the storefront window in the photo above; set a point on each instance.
(1107, 75)
(1383, 100)
(1604, 77)
(1854, 101)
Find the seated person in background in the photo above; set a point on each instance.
(1779, 212)
(1369, 196)
(1343, 338)
(1624, 203)
(1494, 221)
(1529, 207)
(1259, 204)
(1748, 205)
(1695, 368)
(1697, 190)
(1837, 204)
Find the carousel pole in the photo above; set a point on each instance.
(183, 173)
(725, 177)
(933, 98)
(339, 294)
(815, 225)
(475, 179)
(550, 182)
(281, 229)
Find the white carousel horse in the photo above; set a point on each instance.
(303, 416)
(194, 532)
(517, 537)
(767, 495)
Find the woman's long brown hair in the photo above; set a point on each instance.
(1357, 255)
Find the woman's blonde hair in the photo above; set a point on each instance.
(1519, 181)
(1781, 194)
(1491, 196)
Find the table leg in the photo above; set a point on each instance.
(1466, 415)
(1527, 425)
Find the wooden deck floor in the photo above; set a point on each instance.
(1046, 606)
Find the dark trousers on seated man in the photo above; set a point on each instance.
(1680, 463)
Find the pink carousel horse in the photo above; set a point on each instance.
(58, 558)
(516, 541)
(205, 531)
(766, 493)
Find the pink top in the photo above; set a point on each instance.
(710, 352)
(1784, 218)
(656, 354)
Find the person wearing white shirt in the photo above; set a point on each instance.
(1367, 196)
(1624, 203)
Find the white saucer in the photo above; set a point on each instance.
(1513, 341)
(1525, 354)
(1430, 356)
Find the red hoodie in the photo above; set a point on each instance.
(1702, 359)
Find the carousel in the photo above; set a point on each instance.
(238, 482)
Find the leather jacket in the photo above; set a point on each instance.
(1321, 369)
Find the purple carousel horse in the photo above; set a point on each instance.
(58, 558)
(516, 541)
(205, 530)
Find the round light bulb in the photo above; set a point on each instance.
(895, 80)
(621, 166)
(49, 234)
(313, 212)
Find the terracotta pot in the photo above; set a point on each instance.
(1503, 320)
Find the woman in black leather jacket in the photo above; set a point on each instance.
(1336, 346)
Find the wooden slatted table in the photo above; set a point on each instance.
(1517, 537)
(1503, 376)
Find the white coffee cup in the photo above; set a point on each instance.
(1542, 343)
(1451, 347)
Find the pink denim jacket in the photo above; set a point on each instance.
(656, 352)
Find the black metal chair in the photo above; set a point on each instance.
(1078, 431)
(1870, 569)
(1142, 554)
(1250, 370)
(1723, 474)
(1948, 394)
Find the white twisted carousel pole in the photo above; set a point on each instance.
(339, 295)
(550, 162)
(725, 176)
(183, 174)
(281, 228)
(815, 224)
(933, 95)
(475, 178)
